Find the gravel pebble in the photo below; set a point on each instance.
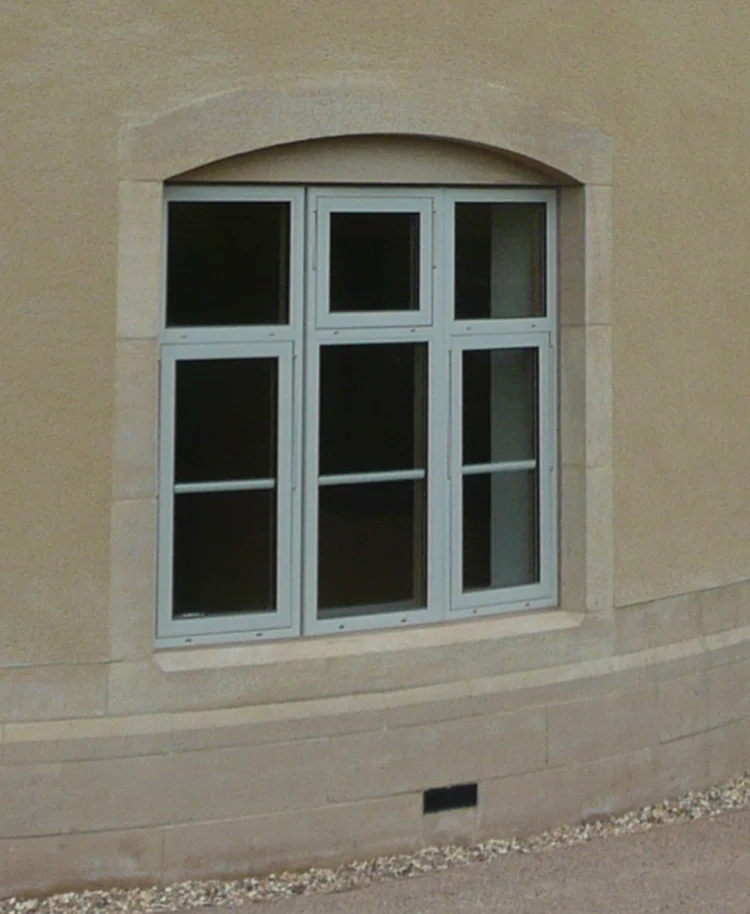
(732, 795)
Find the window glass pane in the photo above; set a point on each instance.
(373, 402)
(499, 405)
(224, 553)
(500, 260)
(500, 530)
(372, 555)
(227, 263)
(374, 262)
(225, 420)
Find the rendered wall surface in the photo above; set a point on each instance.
(122, 764)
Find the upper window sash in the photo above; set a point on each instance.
(505, 241)
(371, 256)
(220, 287)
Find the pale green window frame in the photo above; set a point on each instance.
(297, 345)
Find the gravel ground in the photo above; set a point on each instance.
(733, 795)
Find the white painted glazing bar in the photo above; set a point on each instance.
(342, 479)
(510, 466)
(233, 485)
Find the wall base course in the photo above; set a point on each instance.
(223, 791)
(60, 863)
(323, 836)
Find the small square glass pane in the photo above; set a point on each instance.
(373, 407)
(227, 263)
(499, 403)
(374, 263)
(225, 420)
(500, 530)
(500, 253)
(372, 552)
(224, 553)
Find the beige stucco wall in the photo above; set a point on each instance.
(669, 83)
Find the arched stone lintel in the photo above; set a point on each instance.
(291, 109)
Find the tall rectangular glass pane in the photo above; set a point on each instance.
(373, 407)
(499, 402)
(225, 419)
(372, 553)
(500, 254)
(500, 519)
(227, 263)
(374, 262)
(224, 558)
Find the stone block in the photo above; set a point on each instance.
(720, 607)
(455, 826)
(409, 759)
(133, 579)
(573, 415)
(681, 765)
(156, 790)
(52, 692)
(140, 687)
(573, 540)
(136, 411)
(80, 740)
(729, 750)
(728, 693)
(139, 260)
(598, 402)
(647, 625)
(599, 567)
(51, 864)
(531, 803)
(599, 250)
(572, 257)
(322, 836)
(602, 726)
(683, 706)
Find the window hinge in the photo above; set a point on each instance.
(450, 414)
(434, 238)
(295, 442)
(316, 229)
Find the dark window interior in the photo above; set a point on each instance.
(227, 264)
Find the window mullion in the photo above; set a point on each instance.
(441, 410)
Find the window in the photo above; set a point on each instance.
(358, 408)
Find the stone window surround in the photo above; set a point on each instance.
(279, 111)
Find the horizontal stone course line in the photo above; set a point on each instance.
(596, 672)
(513, 749)
(259, 817)
(602, 725)
(107, 794)
(684, 593)
(709, 732)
